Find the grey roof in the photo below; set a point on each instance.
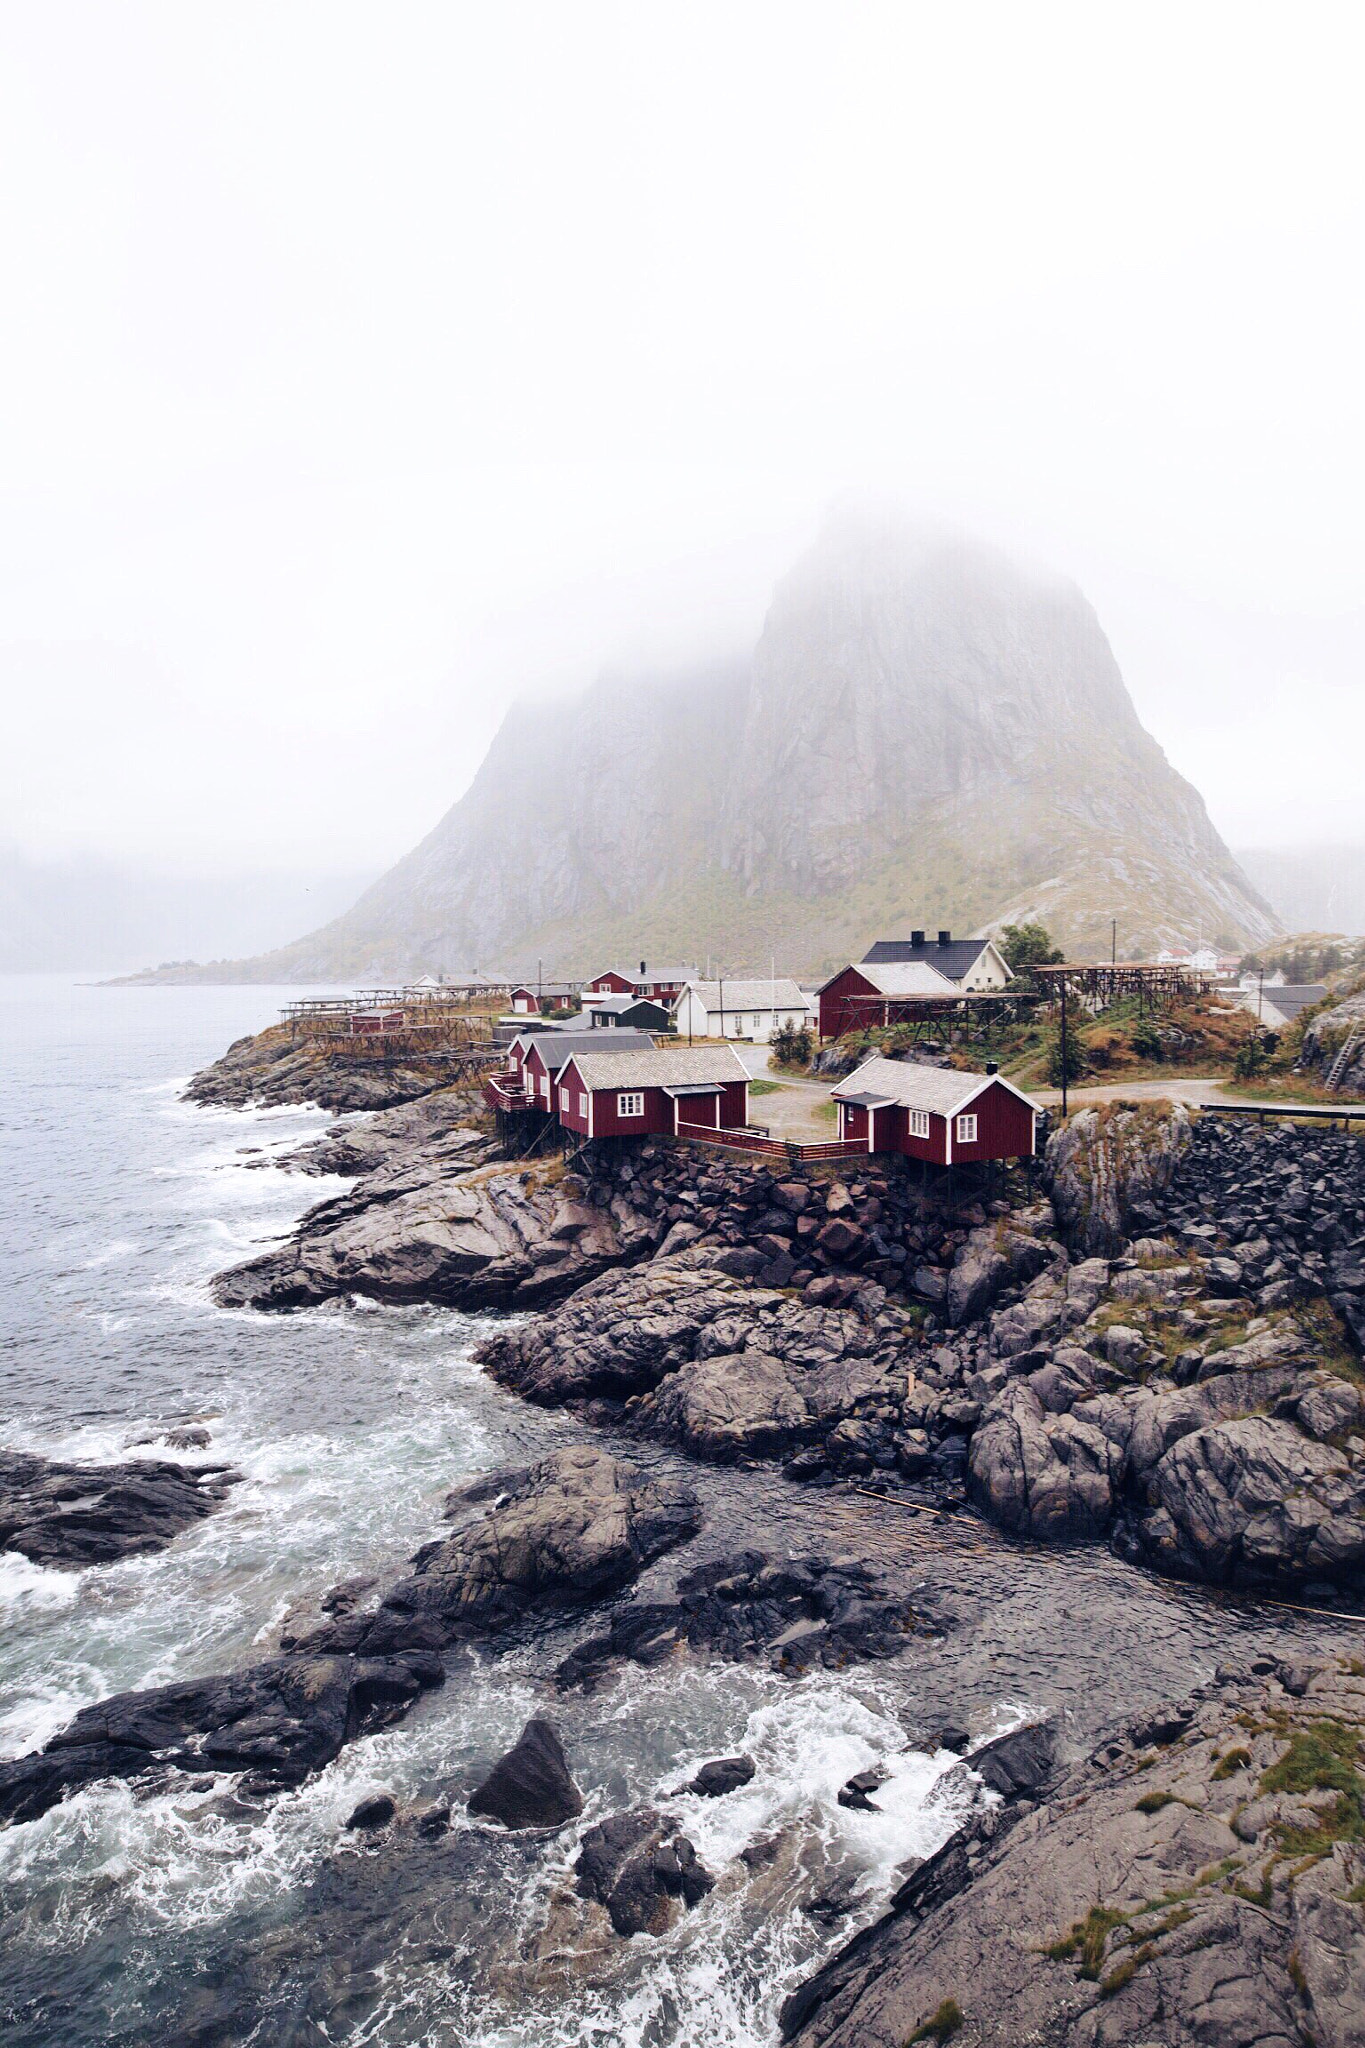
(1286, 997)
(672, 1069)
(668, 972)
(905, 978)
(956, 960)
(767, 994)
(559, 1047)
(942, 1090)
(547, 988)
(617, 1006)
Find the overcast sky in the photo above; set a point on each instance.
(364, 365)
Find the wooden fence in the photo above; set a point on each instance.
(793, 1153)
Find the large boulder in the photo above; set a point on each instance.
(637, 1865)
(1042, 1474)
(1106, 1160)
(59, 1514)
(531, 1786)
(994, 1256)
(742, 1404)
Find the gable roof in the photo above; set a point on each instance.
(955, 960)
(618, 1006)
(557, 1048)
(677, 1068)
(941, 1090)
(900, 978)
(544, 988)
(781, 994)
(668, 972)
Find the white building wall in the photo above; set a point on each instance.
(759, 1025)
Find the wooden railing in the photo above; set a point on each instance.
(792, 1151)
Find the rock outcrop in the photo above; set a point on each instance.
(571, 1529)
(454, 1119)
(73, 1515)
(640, 1866)
(1195, 1881)
(531, 1786)
(269, 1069)
(1108, 1168)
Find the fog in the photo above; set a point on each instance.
(364, 366)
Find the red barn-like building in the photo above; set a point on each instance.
(656, 1094)
(546, 1053)
(867, 994)
(935, 1113)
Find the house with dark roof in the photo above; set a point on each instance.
(538, 1060)
(973, 966)
(1278, 1003)
(609, 1012)
(638, 1094)
(936, 1114)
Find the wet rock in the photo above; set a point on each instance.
(455, 1118)
(373, 1813)
(792, 1613)
(857, 1791)
(1090, 1916)
(1041, 1474)
(279, 1721)
(723, 1774)
(634, 1864)
(269, 1070)
(1019, 1762)
(70, 1515)
(576, 1527)
(531, 1786)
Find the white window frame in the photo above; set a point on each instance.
(564, 1100)
(630, 1102)
(919, 1123)
(966, 1128)
(582, 1105)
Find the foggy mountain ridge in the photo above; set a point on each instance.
(103, 916)
(1315, 888)
(925, 733)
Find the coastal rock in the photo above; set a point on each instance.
(992, 1258)
(722, 1775)
(70, 1515)
(269, 1069)
(1040, 1474)
(278, 1720)
(419, 1229)
(636, 1865)
(454, 1118)
(791, 1613)
(1139, 1900)
(1106, 1164)
(575, 1527)
(530, 1787)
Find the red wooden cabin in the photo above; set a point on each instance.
(857, 997)
(525, 999)
(935, 1113)
(548, 1052)
(660, 984)
(656, 1094)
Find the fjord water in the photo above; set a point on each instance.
(173, 1911)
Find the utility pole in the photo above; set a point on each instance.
(721, 985)
(1260, 994)
(1113, 942)
(1064, 1059)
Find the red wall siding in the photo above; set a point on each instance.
(657, 1119)
(855, 1122)
(610, 984)
(734, 1105)
(837, 1015)
(1004, 1127)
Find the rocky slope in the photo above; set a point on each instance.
(1196, 1881)
(925, 733)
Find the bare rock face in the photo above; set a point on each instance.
(453, 1118)
(636, 1865)
(1194, 1882)
(420, 1229)
(573, 1528)
(530, 1787)
(73, 1515)
(268, 1070)
(1107, 1162)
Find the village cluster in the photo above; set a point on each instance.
(651, 1050)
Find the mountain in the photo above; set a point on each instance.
(925, 733)
(1315, 888)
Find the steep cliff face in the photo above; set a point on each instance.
(925, 733)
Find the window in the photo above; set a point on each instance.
(919, 1123)
(564, 1099)
(966, 1130)
(583, 1109)
(630, 1104)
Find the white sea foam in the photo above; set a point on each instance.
(28, 1585)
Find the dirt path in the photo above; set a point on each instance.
(1195, 1089)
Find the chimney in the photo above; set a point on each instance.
(642, 970)
(992, 1067)
(945, 938)
(917, 938)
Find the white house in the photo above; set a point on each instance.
(741, 1009)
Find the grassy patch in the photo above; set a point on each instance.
(940, 2026)
(1321, 1758)
(825, 1112)
(1124, 1972)
(1087, 1939)
(1229, 1765)
(1152, 1802)
(765, 1087)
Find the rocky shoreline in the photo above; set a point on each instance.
(1156, 1350)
